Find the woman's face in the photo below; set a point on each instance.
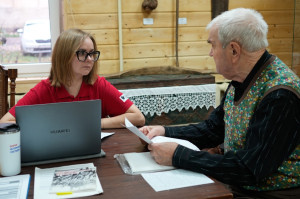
(82, 68)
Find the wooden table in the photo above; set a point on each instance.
(117, 185)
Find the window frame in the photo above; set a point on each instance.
(42, 69)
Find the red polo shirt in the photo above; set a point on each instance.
(113, 102)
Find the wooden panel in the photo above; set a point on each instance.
(165, 49)
(148, 35)
(280, 45)
(148, 50)
(297, 45)
(278, 17)
(132, 64)
(204, 64)
(109, 67)
(89, 21)
(154, 45)
(296, 69)
(194, 48)
(280, 31)
(163, 35)
(165, 20)
(91, 6)
(108, 52)
(270, 5)
(134, 20)
(199, 63)
(133, 51)
(168, 6)
(105, 36)
(286, 57)
(109, 6)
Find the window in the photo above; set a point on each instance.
(38, 50)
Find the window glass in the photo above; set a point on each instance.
(26, 37)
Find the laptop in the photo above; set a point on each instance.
(58, 132)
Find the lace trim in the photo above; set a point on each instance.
(164, 99)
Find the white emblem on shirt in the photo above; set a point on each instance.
(123, 98)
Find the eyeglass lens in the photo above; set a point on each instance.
(82, 55)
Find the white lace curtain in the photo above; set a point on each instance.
(164, 99)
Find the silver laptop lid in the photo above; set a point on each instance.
(59, 130)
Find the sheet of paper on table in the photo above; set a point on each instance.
(106, 134)
(43, 179)
(175, 179)
(15, 186)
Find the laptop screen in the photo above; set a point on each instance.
(59, 130)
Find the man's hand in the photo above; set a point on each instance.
(163, 152)
(152, 131)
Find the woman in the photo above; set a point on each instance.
(73, 77)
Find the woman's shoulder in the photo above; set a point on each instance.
(44, 84)
(101, 81)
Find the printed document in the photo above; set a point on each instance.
(15, 187)
(43, 180)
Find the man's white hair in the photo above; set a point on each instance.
(242, 25)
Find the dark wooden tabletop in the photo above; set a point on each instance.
(116, 184)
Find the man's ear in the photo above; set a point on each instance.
(235, 50)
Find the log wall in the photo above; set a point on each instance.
(154, 45)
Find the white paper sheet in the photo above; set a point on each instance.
(188, 144)
(15, 187)
(105, 134)
(43, 179)
(175, 179)
(136, 131)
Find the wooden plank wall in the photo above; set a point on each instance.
(296, 47)
(154, 45)
(280, 17)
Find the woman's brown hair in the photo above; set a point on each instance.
(64, 50)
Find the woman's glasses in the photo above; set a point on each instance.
(82, 55)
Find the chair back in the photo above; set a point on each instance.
(6, 76)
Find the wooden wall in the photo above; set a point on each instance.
(296, 47)
(154, 45)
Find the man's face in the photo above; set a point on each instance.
(221, 55)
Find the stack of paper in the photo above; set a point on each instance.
(174, 178)
(15, 186)
(45, 187)
(143, 162)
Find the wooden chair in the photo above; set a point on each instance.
(5, 76)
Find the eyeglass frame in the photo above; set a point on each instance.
(87, 54)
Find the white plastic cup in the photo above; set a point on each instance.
(10, 151)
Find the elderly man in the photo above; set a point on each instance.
(258, 119)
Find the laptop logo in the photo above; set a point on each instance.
(60, 131)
